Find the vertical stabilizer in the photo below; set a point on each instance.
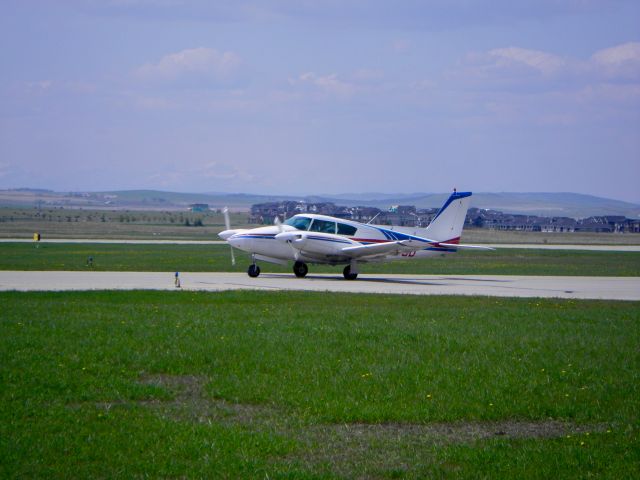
(447, 224)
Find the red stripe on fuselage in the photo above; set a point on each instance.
(453, 240)
(369, 240)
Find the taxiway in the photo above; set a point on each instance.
(610, 288)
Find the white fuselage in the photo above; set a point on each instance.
(320, 239)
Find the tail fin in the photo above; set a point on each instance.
(447, 224)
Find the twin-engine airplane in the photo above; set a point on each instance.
(320, 239)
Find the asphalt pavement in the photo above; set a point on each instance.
(611, 288)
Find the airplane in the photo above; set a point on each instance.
(309, 238)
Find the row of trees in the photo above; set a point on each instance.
(158, 218)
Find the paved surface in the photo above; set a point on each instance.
(606, 248)
(545, 246)
(614, 288)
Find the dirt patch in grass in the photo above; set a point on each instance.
(188, 391)
(363, 449)
(354, 450)
(458, 432)
(188, 401)
(191, 402)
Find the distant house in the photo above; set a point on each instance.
(632, 225)
(612, 223)
(199, 207)
(557, 224)
(409, 216)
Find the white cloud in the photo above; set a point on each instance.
(621, 61)
(334, 85)
(512, 85)
(524, 68)
(201, 62)
(509, 69)
(545, 63)
(328, 83)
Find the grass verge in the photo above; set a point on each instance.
(303, 385)
(213, 258)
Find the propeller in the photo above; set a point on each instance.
(278, 223)
(227, 225)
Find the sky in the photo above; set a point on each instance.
(321, 97)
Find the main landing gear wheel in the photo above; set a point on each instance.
(300, 269)
(347, 273)
(254, 271)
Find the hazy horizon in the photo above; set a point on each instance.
(341, 195)
(283, 97)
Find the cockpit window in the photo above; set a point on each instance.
(301, 223)
(323, 226)
(344, 229)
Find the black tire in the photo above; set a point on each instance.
(254, 271)
(347, 273)
(300, 269)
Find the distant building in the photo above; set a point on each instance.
(558, 225)
(199, 207)
(632, 225)
(602, 224)
(265, 213)
(409, 216)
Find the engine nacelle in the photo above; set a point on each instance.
(315, 242)
(295, 238)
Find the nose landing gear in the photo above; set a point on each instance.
(254, 270)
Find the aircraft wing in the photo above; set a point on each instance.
(377, 249)
(463, 246)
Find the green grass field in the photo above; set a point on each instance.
(301, 385)
(212, 258)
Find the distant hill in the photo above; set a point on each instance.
(573, 205)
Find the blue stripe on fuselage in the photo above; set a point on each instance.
(265, 236)
(326, 239)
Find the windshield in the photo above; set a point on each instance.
(301, 223)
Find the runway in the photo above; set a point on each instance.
(610, 288)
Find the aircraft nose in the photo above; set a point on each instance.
(225, 234)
